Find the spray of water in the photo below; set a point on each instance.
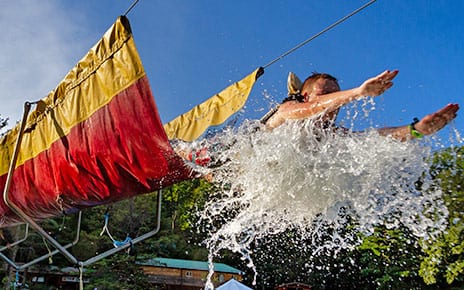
(297, 176)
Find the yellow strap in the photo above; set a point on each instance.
(212, 112)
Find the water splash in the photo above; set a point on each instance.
(300, 177)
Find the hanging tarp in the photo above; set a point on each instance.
(233, 284)
(95, 139)
(214, 111)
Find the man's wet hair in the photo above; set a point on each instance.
(309, 81)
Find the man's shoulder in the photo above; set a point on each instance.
(289, 105)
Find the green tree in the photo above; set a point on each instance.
(444, 259)
(183, 200)
(119, 272)
(389, 259)
(386, 259)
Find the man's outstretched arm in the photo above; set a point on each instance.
(428, 125)
(331, 102)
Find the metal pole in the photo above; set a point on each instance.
(26, 233)
(14, 207)
(56, 251)
(134, 241)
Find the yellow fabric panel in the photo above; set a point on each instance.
(212, 112)
(111, 66)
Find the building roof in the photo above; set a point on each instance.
(189, 264)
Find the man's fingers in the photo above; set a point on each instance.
(449, 110)
(387, 75)
(436, 121)
(392, 74)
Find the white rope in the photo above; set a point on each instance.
(105, 228)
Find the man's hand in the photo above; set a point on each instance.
(435, 121)
(377, 85)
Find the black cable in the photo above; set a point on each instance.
(130, 8)
(320, 33)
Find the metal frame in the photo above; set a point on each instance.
(32, 223)
(8, 246)
(41, 258)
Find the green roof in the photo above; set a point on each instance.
(189, 264)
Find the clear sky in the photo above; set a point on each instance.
(193, 49)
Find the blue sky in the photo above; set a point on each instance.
(193, 49)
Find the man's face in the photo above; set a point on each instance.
(322, 87)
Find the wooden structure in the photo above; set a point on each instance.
(46, 277)
(186, 274)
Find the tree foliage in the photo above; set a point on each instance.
(118, 272)
(444, 259)
(388, 259)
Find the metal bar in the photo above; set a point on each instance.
(26, 233)
(41, 258)
(18, 211)
(134, 241)
(9, 261)
(56, 251)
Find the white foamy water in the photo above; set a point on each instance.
(300, 177)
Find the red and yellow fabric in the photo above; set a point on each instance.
(97, 138)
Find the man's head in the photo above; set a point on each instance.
(319, 84)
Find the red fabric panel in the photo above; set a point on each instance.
(120, 151)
